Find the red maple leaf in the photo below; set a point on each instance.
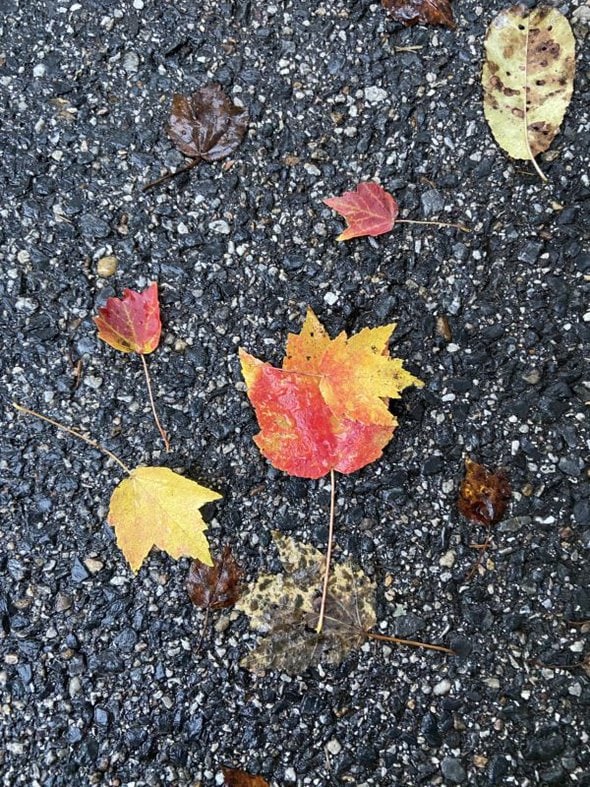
(131, 323)
(370, 210)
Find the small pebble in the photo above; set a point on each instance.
(106, 266)
(442, 688)
(334, 746)
(374, 94)
(448, 559)
(220, 226)
(453, 771)
(93, 565)
(131, 62)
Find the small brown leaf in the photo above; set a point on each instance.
(420, 12)
(233, 777)
(483, 495)
(217, 586)
(207, 125)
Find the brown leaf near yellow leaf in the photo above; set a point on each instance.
(233, 777)
(216, 586)
(483, 495)
(528, 78)
(156, 507)
(284, 608)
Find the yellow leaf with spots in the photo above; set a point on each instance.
(358, 376)
(528, 79)
(156, 507)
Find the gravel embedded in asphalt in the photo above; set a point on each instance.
(100, 674)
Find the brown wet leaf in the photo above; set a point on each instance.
(285, 609)
(483, 495)
(233, 777)
(216, 586)
(207, 125)
(420, 12)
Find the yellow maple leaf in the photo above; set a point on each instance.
(358, 376)
(156, 507)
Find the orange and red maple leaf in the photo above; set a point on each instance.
(326, 408)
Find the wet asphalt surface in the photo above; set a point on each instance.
(101, 681)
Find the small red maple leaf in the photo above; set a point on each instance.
(370, 210)
(131, 323)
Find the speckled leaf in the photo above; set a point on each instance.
(285, 608)
(528, 78)
(207, 125)
(420, 12)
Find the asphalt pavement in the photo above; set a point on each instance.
(101, 679)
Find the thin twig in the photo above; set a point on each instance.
(483, 551)
(320, 624)
(413, 643)
(461, 227)
(73, 432)
(170, 175)
(153, 405)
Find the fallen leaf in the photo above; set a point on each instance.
(207, 125)
(156, 507)
(284, 609)
(358, 376)
(370, 210)
(326, 409)
(233, 777)
(131, 323)
(420, 12)
(216, 586)
(483, 495)
(528, 78)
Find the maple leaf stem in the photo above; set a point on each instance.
(413, 643)
(73, 432)
(170, 175)
(322, 615)
(153, 405)
(461, 227)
